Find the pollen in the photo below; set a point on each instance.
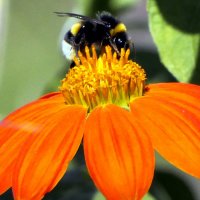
(105, 79)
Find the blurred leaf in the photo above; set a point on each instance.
(148, 197)
(175, 27)
(119, 4)
(98, 196)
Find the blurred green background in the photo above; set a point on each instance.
(32, 64)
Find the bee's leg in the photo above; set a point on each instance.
(113, 45)
(72, 64)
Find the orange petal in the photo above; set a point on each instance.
(171, 115)
(17, 127)
(44, 159)
(118, 153)
(174, 88)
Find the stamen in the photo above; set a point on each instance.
(103, 80)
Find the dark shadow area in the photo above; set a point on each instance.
(182, 14)
(167, 185)
(155, 71)
(196, 74)
(7, 195)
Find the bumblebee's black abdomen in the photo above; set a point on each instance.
(80, 36)
(85, 34)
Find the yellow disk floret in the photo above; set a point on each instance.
(102, 80)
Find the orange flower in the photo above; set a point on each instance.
(105, 102)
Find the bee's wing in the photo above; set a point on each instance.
(82, 17)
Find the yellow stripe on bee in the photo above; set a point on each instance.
(75, 29)
(119, 28)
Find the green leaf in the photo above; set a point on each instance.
(175, 27)
(119, 4)
(148, 197)
(99, 196)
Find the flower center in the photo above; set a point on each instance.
(102, 80)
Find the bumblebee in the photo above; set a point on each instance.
(102, 31)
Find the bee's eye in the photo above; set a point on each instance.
(120, 41)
